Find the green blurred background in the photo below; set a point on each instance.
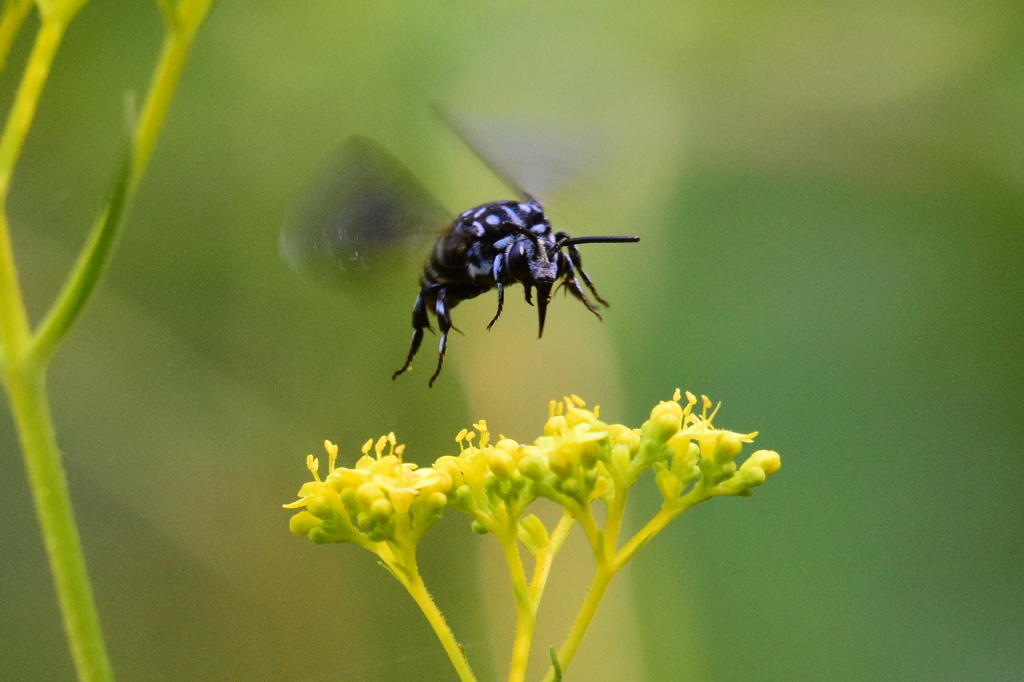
(831, 200)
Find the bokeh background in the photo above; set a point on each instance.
(831, 201)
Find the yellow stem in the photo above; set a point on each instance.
(526, 616)
(27, 393)
(23, 109)
(418, 591)
(14, 325)
(544, 561)
(15, 12)
(177, 45)
(597, 589)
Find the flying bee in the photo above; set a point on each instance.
(368, 202)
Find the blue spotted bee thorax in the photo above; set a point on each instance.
(489, 218)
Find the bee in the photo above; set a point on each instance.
(368, 202)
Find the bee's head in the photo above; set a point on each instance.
(535, 264)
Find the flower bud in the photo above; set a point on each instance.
(590, 452)
(533, 534)
(555, 425)
(766, 460)
(720, 446)
(562, 458)
(302, 523)
(508, 445)
(478, 528)
(436, 501)
(500, 463)
(531, 467)
(666, 420)
(381, 510)
(368, 493)
(571, 487)
(620, 455)
(320, 507)
(402, 499)
(464, 496)
(669, 485)
(685, 457)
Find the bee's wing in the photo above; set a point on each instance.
(535, 160)
(359, 215)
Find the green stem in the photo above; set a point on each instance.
(27, 392)
(418, 591)
(177, 45)
(94, 257)
(14, 324)
(526, 615)
(665, 516)
(15, 12)
(544, 561)
(23, 109)
(598, 586)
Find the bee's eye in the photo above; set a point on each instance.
(519, 260)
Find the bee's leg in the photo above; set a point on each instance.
(498, 272)
(576, 263)
(420, 321)
(574, 288)
(444, 323)
(528, 292)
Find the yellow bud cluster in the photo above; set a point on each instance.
(381, 499)
(578, 459)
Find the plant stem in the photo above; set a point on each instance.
(15, 12)
(14, 324)
(100, 243)
(526, 615)
(597, 589)
(27, 392)
(542, 568)
(418, 591)
(528, 597)
(23, 109)
(173, 56)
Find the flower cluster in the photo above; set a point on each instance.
(381, 499)
(386, 505)
(486, 481)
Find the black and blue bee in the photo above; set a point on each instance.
(370, 202)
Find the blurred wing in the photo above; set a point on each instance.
(534, 160)
(359, 216)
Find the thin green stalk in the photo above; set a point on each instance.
(609, 562)
(526, 615)
(27, 392)
(528, 605)
(598, 586)
(657, 524)
(543, 566)
(23, 109)
(103, 236)
(14, 14)
(14, 324)
(418, 591)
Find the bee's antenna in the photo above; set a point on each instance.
(596, 240)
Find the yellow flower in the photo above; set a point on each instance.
(381, 498)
